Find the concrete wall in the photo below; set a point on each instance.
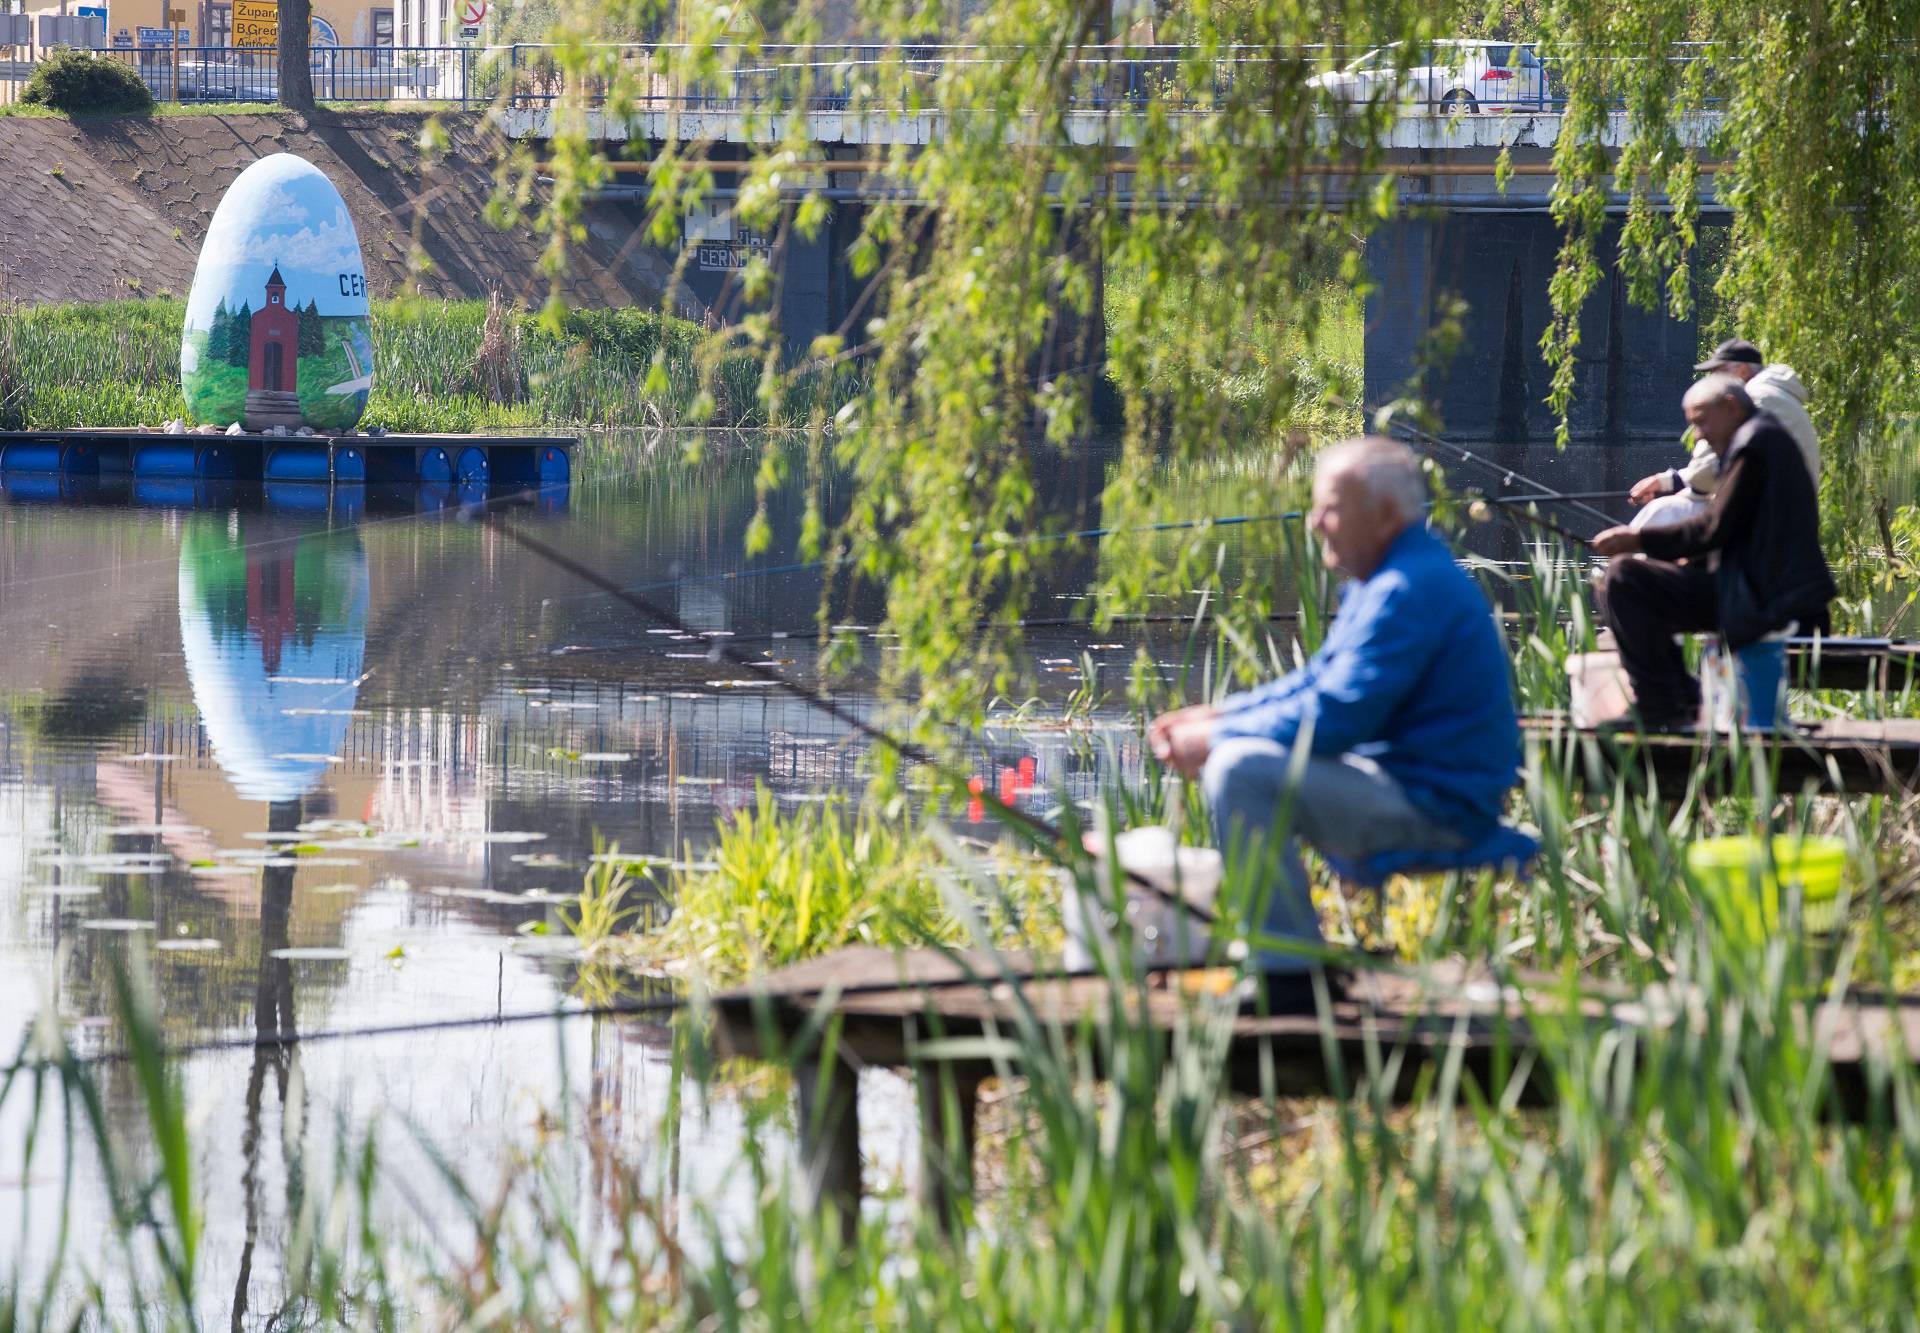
(1633, 364)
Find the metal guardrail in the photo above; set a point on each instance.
(339, 73)
(1470, 76)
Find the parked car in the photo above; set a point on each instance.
(1449, 75)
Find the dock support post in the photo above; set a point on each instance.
(949, 1097)
(829, 1107)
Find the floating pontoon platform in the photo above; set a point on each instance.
(529, 461)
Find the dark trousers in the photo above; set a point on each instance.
(1647, 602)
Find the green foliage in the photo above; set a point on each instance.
(118, 364)
(790, 886)
(313, 337)
(240, 337)
(80, 83)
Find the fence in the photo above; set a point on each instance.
(340, 73)
(1449, 77)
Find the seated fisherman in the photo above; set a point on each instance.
(1681, 493)
(1765, 523)
(1406, 711)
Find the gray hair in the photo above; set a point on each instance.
(1717, 385)
(1386, 469)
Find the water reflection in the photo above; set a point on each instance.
(273, 624)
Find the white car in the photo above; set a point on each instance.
(1451, 75)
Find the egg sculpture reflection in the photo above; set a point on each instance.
(277, 330)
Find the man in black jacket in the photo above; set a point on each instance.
(1764, 522)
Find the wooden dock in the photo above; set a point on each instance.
(1842, 754)
(517, 461)
(1887, 665)
(887, 1006)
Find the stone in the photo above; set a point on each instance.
(278, 333)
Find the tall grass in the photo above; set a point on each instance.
(118, 364)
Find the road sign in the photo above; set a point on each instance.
(469, 31)
(91, 12)
(256, 22)
(473, 13)
(161, 36)
(175, 17)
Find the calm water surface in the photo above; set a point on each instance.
(333, 758)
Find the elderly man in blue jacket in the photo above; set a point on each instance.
(1405, 714)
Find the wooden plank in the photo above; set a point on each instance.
(1843, 754)
(1852, 664)
(1423, 1014)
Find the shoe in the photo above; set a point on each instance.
(1657, 724)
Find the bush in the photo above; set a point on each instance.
(78, 83)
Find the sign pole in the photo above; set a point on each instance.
(173, 44)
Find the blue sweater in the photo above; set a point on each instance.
(1413, 676)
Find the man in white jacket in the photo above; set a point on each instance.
(1676, 495)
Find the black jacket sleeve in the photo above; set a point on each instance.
(1730, 511)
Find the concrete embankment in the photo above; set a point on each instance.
(110, 208)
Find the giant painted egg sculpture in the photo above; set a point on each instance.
(277, 332)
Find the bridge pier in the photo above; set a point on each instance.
(1633, 364)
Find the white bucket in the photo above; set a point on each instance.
(1165, 934)
(1600, 689)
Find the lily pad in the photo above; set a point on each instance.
(312, 954)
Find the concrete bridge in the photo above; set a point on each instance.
(1458, 235)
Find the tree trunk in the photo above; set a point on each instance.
(296, 75)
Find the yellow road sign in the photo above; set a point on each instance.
(256, 22)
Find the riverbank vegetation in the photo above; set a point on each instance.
(438, 366)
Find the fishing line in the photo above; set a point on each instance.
(1401, 430)
(911, 751)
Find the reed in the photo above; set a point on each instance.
(438, 366)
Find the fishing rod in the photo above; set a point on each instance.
(913, 752)
(1413, 435)
(1529, 515)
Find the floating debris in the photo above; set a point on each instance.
(297, 757)
(685, 781)
(540, 861)
(342, 887)
(63, 891)
(326, 712)
(272, 837)
(147, 758)
(604, 757)
(742, 684)
(152, 830)
(336, 826)
(122, 923)
(313, 680)
(118, 863)
(189, 946)
(509, 837)
(312, 954)
(215, 870)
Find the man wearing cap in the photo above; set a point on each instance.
(1763, 522)
(1681, 493)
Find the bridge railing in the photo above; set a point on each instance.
(1468, 78)
(1465, 77)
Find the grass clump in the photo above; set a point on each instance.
(792, 885)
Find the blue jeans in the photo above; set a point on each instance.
(1346, 806)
